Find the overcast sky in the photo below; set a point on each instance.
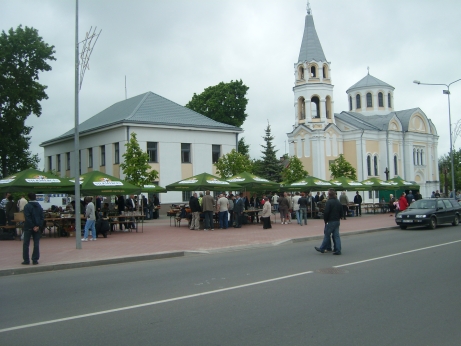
(175, 48)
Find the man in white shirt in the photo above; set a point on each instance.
(22, 203)
(223, 207)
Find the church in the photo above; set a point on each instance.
(372, 135)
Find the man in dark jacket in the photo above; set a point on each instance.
(239, 207)
(358, 200)
(331, 216)
(195, 209)
(33, 214)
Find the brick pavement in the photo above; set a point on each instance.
(160, 238)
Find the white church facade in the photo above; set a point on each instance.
(372, 135)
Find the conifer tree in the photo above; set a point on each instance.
(269, 166)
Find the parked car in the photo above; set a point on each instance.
(430, 212)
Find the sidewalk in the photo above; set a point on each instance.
(160, 240)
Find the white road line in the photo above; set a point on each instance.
(397, 254)
(151, 303)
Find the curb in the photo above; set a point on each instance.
(48, 268)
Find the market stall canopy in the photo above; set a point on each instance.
(403, 184)
(98, 183)
(308, 184)
(203, 182)
(252, 182)
(376, 184)
(32, 180)
(153, 188)
(344, 183)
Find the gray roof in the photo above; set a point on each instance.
(147, 108)
(377, 122)
(369, 81)
(311, 49)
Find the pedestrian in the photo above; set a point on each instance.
(284, 205)
(33, 214)
(195, 209)
(208, 209)
(331, 217)
(10, 209)
(410, 198)
(121, 210)
(303, 204)
(223, 207)
(238, 210)
(344, 200)
(403, 202)
(275, 201)
(231, 208)
(266, 214)
(295, 206)
(358, 202)
(22, 203)
(90, 220)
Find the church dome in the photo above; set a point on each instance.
(369, 81)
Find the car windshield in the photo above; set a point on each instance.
(423, 204)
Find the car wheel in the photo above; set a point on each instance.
(433, 223)
(403, 227)
(455, 221)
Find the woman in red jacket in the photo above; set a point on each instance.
(403, 204)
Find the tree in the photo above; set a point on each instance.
(294, 171)
(233, 163)
(136, 165)
(243, 148)
(269, 166)
(342, 168)
(225, 102)
(23, 54)
(445, 163)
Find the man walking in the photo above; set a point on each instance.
(33, 214)
(223, 207)
(207, 206)
(358, 201)
(344, 202)
(90, 220)
(195, 210)
(331, 217)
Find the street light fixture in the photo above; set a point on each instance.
(447, 92)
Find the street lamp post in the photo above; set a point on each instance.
(447, 92)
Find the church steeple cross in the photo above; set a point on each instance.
(309, 11)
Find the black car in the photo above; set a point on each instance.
(430, 212)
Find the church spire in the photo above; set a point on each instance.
(311, 49)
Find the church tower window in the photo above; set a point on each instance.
(375, 164)
(369, 165)
(301, 109)
(301, 72)
(328, 106)
(350, 103)
(325, 71)
(315, 102)
(357, 101)
(389, 100)
(369, 100)
(380, 100)
(313, 72)
(396, 171)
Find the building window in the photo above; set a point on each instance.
(58, 162)
(350, 103)
(325, 71)
(375, 165)
(152, 151)
(301, 72)
(90, 158)
(396, 171)
(369, 165)
(369, 100)
(68, 161)
(357, 101)
(315, 104)
(185, 152)
(116, 153)
(215, 152)
(186, 195)
(370, 194)
(414, 157)
(301, 109)
(380, 100)
(421, 160)
(313, 72)
(102, 150)
(50, 163)
(389, 100)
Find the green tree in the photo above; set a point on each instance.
(342, 168)
(23, 54)
(243, 148)
(225, 102)
(269, 166)
(136, 165)
(294, 171)
(233, 163)
(445, 163)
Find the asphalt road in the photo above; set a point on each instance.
(388, 288)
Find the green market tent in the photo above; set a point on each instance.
(376, 184)
(153, 188)
(403, 184)
(32, 180)
(98, 183)
(203, 182)
(308, 184)
(252, 182)
(344, 183)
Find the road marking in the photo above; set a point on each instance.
(210, 292)
(396, 254)
(152, 303)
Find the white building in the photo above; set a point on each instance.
(179, 141)
(372, 135)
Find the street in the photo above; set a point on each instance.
(388, 288)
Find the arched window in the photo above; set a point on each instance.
(396, 171)
(369, 100)
(421, 160)
(350, 103)
(328, 107)
(301, 72)
(389, 100)
(357, 101)
(325, 71)
(369, 165)
(313, 72)
(417, 157)
(414, 156)
(301, 109)
(315, 104)
(380, 100)
(375, 164)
